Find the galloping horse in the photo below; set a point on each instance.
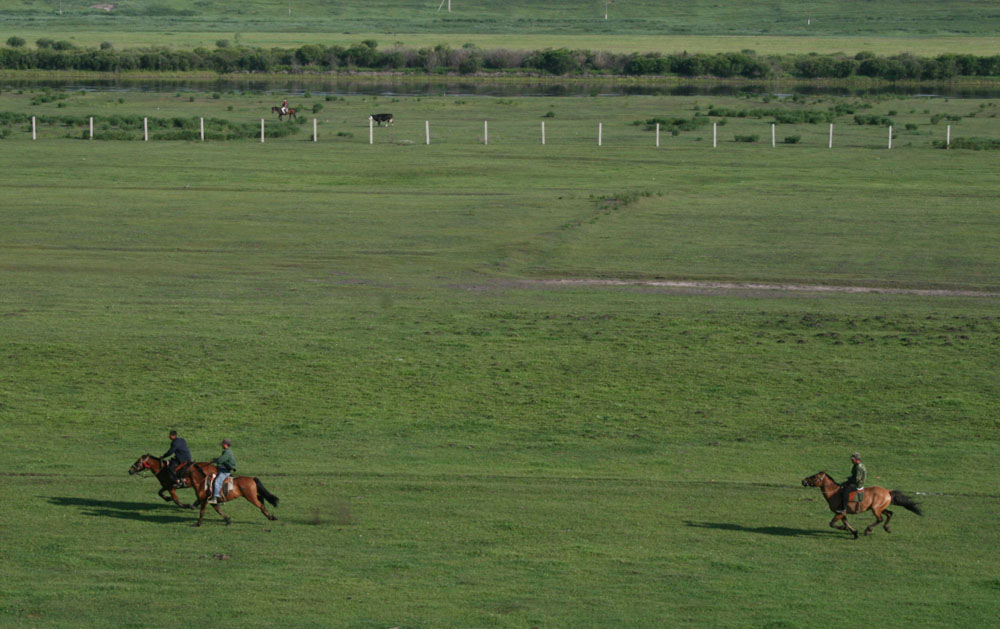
(249, 488)
(290, 112)
(876, 499)
(158, 467)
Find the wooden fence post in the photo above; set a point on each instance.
(33, 134)
(715, 134)
(202, 129)
(315, 139)
(543, 133)
(486, 132)
(657, 135)
(947, 138)
(831, 136)
(427, 131)
(600, 133)
(371, 131)
(145, 129)
(773, 139)
(890, 136)
(91, 127)
(262, 130)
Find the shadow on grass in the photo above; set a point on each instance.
(124, 510)
(783, 531)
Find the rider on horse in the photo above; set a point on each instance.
(226, 463)
(182, 455)
(855, 482)
(284, 107)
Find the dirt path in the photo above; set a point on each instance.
(757, 287)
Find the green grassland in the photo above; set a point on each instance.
(458, 442)
(885, 27)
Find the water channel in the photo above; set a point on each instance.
(349, 86)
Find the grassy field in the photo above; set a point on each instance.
(455, 440)
(885, 27)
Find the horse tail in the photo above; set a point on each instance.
(268, 496)
(901, 499)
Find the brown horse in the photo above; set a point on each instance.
(290, 112)
(250, 488)
(876, 499)
(158, 467)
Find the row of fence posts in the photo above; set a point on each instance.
(486, 132)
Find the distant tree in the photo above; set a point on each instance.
(44, 42)
(106, 45)
(222, 43)
(15, 42)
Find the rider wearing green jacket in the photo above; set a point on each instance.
(226, 463)
(855, 482)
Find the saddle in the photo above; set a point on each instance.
(855, 498)
(227, 486)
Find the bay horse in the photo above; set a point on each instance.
(876, 499)
(290, 113)
(250, 488)
(158, 467)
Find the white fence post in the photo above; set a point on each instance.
(202, 129)
(773, 140)
(715, 134)
(33, 135)
(600, 133)
(262, 130)
(831, 136)
(947, 139)
(427, 131)
(486, 132)
(91, 127)
(145, 129)
(371, 131)
(657, 135)
(890, 136)
(543, 133)
(315, 139)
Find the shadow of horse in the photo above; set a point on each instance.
(118, 509)
(782, 531)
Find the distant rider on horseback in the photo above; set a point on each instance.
(855, 482)
(178, 448)
(226, 463)
(284, 107)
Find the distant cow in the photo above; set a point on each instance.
(380, 118)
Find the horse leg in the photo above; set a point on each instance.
(201, 515)
(173, 494)
(878, 520)
(888, 516)
(843, 522)
(165, 498)
(224, 516)
(257, 502)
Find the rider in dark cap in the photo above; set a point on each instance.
(855, 482)
(178, 448)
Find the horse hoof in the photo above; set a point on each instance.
(228, 521)
(196, 524)
(855, 534)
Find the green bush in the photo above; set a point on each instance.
(16, 42)
(317, 107)
(106, 45)
(974, 144)
(793, 139)
(746, 138)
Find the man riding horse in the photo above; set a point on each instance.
(855, 482)
(182, 456)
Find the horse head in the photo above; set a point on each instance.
(145, 462)
(816, 480)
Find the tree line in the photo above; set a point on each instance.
(470, 59)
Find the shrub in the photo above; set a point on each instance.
(746, 138)
(44, 42)
(106, 45)
(317, 107)
(549, 114)
(15, 42)
(975, 144)
(222, 43)
(62, 44)
(910, 126)
(793, 139)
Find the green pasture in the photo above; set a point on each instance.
(654, 17)
(457, 439)
(627, 123)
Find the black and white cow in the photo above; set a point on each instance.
(380, 118)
